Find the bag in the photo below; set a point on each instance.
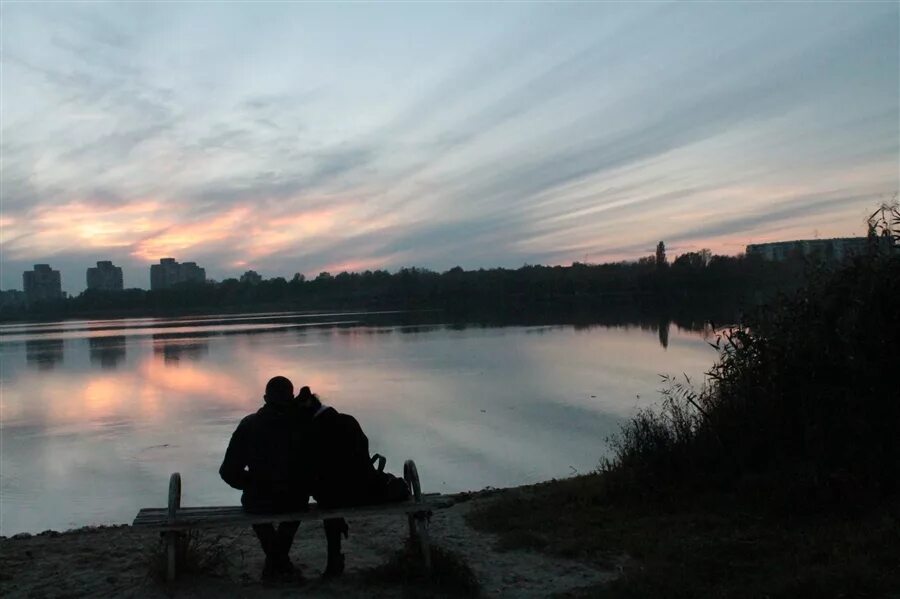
(385, 487)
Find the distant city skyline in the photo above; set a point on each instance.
(287, 138)
(169, 271)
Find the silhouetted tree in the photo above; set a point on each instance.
(695, 260)
(661, 261)
(884, 227)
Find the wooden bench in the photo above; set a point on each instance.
(175, 520)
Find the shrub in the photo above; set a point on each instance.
(801, 410)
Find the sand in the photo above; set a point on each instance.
(115, 561)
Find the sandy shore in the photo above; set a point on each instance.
(115, 561)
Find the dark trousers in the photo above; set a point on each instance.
(276, 543)
(334, 529)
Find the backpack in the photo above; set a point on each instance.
(346, 474)
(385, 487)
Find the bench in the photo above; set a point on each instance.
(175, 520)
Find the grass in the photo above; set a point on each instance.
(712, 546)
(450, 574)
(196, 553)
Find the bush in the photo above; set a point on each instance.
(801, 409)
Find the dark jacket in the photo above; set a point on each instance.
(339, 455)
(265, 459)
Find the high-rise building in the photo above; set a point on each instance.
(105, 276)
(252, 277)
(193, 273)
(164, 274)
(826, 249)
(42, 283)
(170, 272)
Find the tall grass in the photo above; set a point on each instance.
(450, 575)
(801, 410)
(197, 552)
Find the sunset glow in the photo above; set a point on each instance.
(398, 135)
(179, 237)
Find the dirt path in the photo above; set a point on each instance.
(115, 562)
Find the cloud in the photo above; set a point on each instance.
(540, 134)
(803, 208)
(51, 229)
(179, 237)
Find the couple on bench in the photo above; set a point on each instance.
(294, 447)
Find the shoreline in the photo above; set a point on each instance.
(554, 538)
(116, 560)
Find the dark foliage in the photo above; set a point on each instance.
(802, 408)
(708, 282)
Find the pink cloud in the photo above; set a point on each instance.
(183, 236)
(82, 224)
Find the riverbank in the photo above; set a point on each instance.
(117, 561)
(552, 539)
(712, 545)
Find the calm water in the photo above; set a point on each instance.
(96, 414)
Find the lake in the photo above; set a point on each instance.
(95, 415)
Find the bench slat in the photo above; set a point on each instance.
(208, 517)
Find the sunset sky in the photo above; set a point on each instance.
(293, 137)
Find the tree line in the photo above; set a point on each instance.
(697, 279)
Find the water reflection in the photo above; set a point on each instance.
(107, 351)
(663, 326)
(474, 405)
(173, 349)
(44, 354)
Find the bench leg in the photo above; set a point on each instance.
(418, 523)
(411, 476)
(172, 536)
(172, 551)
(412, 527)
(424, 545)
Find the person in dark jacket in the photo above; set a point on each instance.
(341, 470)
(265, 459)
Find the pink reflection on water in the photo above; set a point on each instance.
(152, 393)
(208, 384)
(475, 407)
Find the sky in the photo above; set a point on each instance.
(289, 137)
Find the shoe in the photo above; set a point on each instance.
(284, 564)
(335, 566)
(281, 570)
(293, 576)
